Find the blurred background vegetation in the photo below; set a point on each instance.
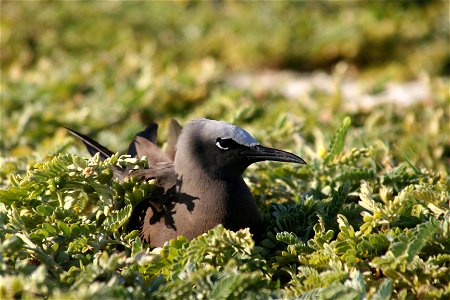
(359, 89)
(109, 68)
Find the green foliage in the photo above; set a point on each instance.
(60, 221)
(367, 218)
(337, 142)
(63, 225)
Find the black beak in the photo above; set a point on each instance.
(261, 153)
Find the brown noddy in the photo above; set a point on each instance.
(199, 182)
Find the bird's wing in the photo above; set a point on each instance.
(150, 133)
(92, 146)
(162, 172)
(158, 202)
(144, 144)
(146, 148)
(174, 132)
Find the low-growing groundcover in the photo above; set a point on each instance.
(350, 227)
(366, 218)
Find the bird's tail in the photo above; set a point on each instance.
(92, 146)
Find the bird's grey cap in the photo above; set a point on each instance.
(226, 130)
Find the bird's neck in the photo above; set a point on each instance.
(200, 182)
(217, 200)
(214, 192)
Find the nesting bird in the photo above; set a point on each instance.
(198, 178)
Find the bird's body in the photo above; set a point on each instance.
(199, 183)
(191, 212)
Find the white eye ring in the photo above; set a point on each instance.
(219, 144)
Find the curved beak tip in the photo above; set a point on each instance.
(302, 162)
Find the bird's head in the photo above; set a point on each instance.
(222, 149)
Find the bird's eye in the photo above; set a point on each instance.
(224, 144)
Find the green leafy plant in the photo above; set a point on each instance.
(63, 224)
(367, 218)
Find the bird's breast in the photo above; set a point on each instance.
(196, 208)
(217, 202)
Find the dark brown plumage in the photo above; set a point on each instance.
(198, 179)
